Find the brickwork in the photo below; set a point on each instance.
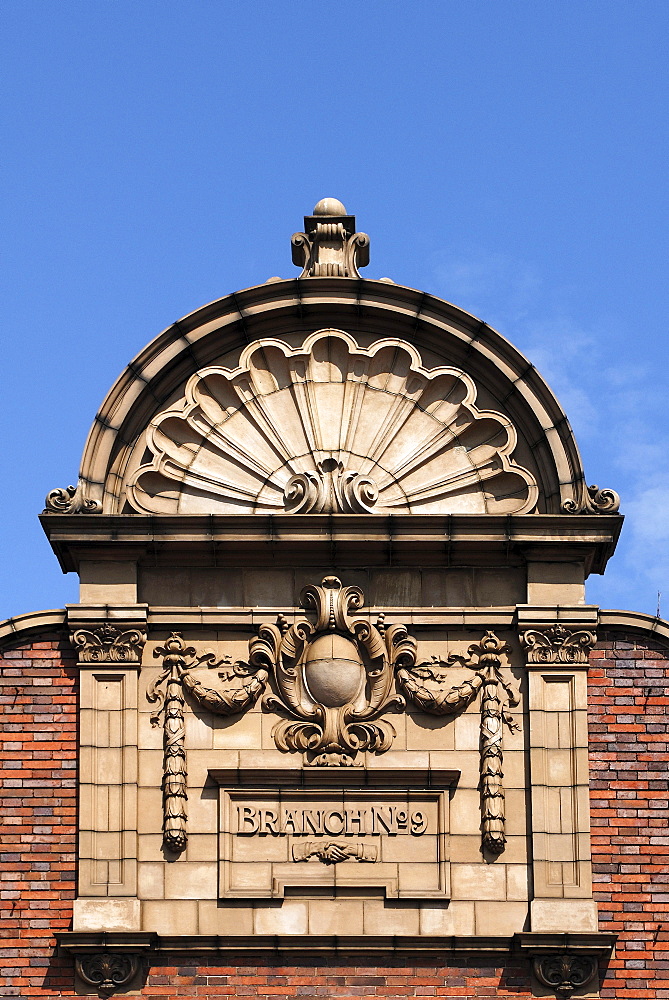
(37, 815)
(629, 782)
(394, 978)
(629, 695)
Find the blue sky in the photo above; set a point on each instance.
(507, 156)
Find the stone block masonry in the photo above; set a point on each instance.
(629, 754)
(629, 794)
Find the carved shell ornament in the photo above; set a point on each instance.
(331, 427)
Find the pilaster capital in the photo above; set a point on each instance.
(107, 633)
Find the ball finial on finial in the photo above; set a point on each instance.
(329, 206)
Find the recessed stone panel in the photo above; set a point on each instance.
(333, 839)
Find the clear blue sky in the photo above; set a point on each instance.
(508, 156)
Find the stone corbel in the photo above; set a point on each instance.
(107, 971)
(565, 963)
(565, 973)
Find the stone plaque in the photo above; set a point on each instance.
(392, 840)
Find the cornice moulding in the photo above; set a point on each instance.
(356, 539)
(133, 942)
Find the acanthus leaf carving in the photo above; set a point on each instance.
(558, 644)
(592, 500)
(565, 973)
(70, 500)
(107, 971)
(334, 678)
(108, 643)
(330, 490)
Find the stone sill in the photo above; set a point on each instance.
(526, 944)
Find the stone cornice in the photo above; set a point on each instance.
(351, 539)
(136, 942)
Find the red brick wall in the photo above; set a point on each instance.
(38, 731)
(629, 796)
(629, 696)
(395, 978)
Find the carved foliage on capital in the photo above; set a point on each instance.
(558, 644)
(334, 677)
(108, 643)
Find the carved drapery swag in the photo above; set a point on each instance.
(333, 676)
(557, 644)
(425, 685)
(244, 683)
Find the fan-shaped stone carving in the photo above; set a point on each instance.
(331, 427)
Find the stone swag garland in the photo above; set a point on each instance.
(332, 731)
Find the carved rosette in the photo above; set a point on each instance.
(243, 685)
(107, 971)
(425, 685)
(334, 677)
(108, 643)
(558, 644)
(565, 973)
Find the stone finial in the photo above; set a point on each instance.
(330, 247)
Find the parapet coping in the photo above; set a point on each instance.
(21, 627)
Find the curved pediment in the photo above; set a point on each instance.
(527, 436)
(330, 427)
